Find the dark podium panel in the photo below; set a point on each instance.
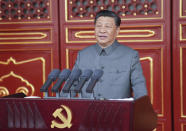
(20, 114)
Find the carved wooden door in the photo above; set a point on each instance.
(179, 64)
(145, 27)
(28, 44)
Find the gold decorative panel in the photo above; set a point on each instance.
(147, 33)
(182, 32)
(182, 83)
(28, 89)
(183, 127)
(85, 10)
(24, 70)
(182, 8)
(26, 36)
(25, 11)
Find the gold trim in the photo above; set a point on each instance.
(152, 33)
(181, 2)
(28, 22)
(28, 42)
(160, 123)
(181, 5)
(66, 5)
(26, 61)
(181, 81)
(23, 89)
(151, 75)
(43, 35)
(85, 20)
(181, 33)
(43, 58)
(67, 59)
(162, 79)
(19, 77)
(33, 22)
(79, 34)
(27, 33)
(182, 126)
(4, 91)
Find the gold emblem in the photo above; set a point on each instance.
(65, 120)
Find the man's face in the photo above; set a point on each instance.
(105, 31)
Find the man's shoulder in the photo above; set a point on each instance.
(126, 49)
(89, 49)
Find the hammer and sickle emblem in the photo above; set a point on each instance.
(66, 121)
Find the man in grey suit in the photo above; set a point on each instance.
(121, 65)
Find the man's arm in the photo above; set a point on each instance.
(138, 81)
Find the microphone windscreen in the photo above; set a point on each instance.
(54, 74)
(97, 74)
(86, 74)
(75, 74)
(64, 74)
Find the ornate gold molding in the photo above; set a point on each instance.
(151, 76)
(22, 89)
(181, 82)
(182, 126)
(163, 126)
(34, 21)
(26, 34)
(89, 34)
(15, 36)
(91, 20)
(67, 58)
(19, 77)
(181, 8)
(3, 91)
(150, 33)
(26, 61)
(181, 33)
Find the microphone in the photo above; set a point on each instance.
(83, 78)
(73, 77)
(51, 77)
(63, 76)
(95, 77)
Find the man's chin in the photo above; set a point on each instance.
(103, 44)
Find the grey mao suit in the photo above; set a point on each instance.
(122, 71)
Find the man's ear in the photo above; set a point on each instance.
(117, 31)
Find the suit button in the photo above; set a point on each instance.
(102, 67)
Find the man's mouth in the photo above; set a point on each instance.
(102, 36)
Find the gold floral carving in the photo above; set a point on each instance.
(3, 91)
(21, 78)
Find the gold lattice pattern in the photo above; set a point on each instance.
(24, 9)
(88, 8)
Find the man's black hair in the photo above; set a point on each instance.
(107, 13)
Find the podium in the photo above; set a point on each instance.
(20, 114)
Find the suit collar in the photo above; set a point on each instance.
(108, 50)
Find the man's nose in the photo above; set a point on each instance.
(102, 29)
